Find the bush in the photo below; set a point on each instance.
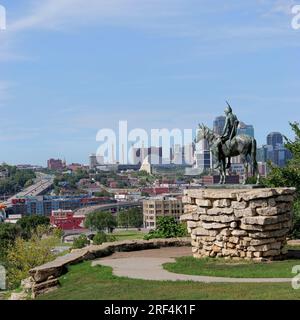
(289, 176)
(295, 234)
(80, 242)
(167, 227)
(102, 237)
(99, 238)
(29, 224)
(25, 255)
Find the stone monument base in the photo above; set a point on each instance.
(239, 223)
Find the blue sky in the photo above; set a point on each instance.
(71, 67)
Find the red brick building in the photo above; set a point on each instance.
(66, 220)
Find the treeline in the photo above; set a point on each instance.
(25, 245)
(14, 180)
(289, 176)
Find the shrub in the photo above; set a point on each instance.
(102, 237)
(80, 242)
(24, 255)
(167, 227)
(295, 234)
(99, 238)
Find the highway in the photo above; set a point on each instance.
(106, 207)
(43, 183)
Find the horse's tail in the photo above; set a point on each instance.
(253, 156)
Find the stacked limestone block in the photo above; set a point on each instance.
(248, 224)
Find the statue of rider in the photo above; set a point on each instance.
(229, 132)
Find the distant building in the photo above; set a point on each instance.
(219, 124)
(246, 129)
(274, 139)
(178, 156)
(274, 150)
(75, 166)
(203, 156)
(54, 164)
(66, 220)
(93, 161)
(161, 207)
(43, 205)
(153, 155)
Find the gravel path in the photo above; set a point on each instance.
(147, 265)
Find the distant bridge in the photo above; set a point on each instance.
(38, 188)
(113, 207)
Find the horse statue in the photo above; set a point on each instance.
(241, 145)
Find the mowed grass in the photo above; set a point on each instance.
(233, 269)
(129, 235)
(84, 282)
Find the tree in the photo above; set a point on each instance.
(130, 218)
(8, 234)
(24, 255)
(29, 224)
(289, 176)
(167, 227)
(100, 221)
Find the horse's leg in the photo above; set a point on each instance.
(224, 171)
(228, 163)
(221, 175)
(245, 163)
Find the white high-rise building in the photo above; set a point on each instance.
(202, 155)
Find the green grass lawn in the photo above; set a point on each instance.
(234, 269)
(128, 235)
(84, 282)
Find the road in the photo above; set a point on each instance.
(42, 183)
(105, 207)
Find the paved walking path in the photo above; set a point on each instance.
(147, 265)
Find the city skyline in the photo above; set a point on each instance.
(156, 64)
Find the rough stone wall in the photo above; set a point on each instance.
(45, 278)
(249, 224)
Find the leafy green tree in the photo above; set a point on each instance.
(24, 255)
(130, 218)
(100, 221)
(167, 227)
(8, 234)
(289, 176)
(29, 224)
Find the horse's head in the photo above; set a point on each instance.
(203, 133)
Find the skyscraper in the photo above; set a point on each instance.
(202, 155)
(246, 129)
(154, 155)
(274, 150)
(219, 124)
(274, 138)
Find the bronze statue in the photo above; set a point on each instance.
(229, 132)
(229, 144)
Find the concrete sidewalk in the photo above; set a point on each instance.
(147, 265)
